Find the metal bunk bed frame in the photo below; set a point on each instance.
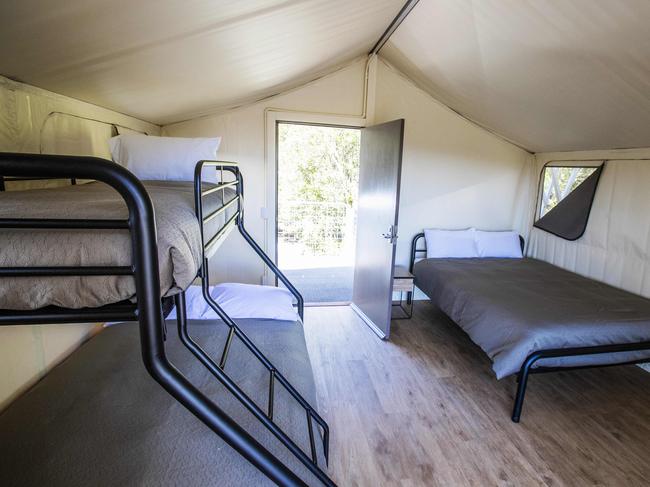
(527, 367)
(148, 310)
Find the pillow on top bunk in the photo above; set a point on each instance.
(163, 158)
(242, 301)
(498, 244)
(458, 244)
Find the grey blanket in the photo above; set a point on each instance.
(99, 419)
(513, 307)
(179, 243)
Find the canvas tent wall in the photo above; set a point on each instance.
(616, 245)
(38, 121)
(550, 76)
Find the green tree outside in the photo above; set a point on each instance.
(317, 187)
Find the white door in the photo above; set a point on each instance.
(379, 184)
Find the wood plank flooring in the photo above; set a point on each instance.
(425, 409)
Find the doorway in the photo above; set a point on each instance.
(317, 193)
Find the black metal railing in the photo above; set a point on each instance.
(146, 310)
(218, 369)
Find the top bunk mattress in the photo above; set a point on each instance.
(514, 307)
(178, 234)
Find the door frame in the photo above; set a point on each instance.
(270, 212)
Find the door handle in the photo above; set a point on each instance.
(391, 235)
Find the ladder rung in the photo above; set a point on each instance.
(271, 393)
(226, 349)
(312, 444)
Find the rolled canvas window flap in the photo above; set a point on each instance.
(568, 219)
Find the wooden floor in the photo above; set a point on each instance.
(426, 409)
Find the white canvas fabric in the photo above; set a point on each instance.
(209, 55)
(241, 301)
(504, 245)
(581, 65)
(441, 244)
(616, 245)
(163, 158)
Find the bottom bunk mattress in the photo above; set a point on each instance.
(178, 233)
(514, 307)
(99, 419)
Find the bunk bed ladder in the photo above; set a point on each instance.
(266, 417)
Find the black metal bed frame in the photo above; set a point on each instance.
(527, 367)
(148, 308)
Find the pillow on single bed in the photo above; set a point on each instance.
(241, 301)
(505, 245)
(458, 244)
(163, 158)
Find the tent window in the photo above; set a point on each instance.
(559, 182)
(566, 197)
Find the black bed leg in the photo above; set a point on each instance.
(522, 380)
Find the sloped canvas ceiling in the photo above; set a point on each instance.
(168, 60)
(548, 75)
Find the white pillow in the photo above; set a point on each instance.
(450, 243)
(498, 244)
(241, 301)
(163, 158)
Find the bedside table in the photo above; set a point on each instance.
(403, 283)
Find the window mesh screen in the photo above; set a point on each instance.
(559, 182)
(567, 194)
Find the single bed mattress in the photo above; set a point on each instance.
(178, 232)
(514, 307)
(99, 419)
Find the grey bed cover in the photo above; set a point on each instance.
(99, 419)
(513, 307)
(178, 231)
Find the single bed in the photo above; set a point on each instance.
(178, 231)
(528, 315)
(98, 418)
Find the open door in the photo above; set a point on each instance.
(380, 168)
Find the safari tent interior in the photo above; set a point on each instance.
(483, 164)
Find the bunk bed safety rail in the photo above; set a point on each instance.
(147, 310)
(217, 369)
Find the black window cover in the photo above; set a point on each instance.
(568, 219)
